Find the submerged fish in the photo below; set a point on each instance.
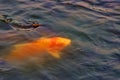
(9, 23)
(31, 26)
(53, 46)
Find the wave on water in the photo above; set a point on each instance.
(92, 25)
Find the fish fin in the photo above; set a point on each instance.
(55, 54)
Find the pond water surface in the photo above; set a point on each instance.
(92, 25)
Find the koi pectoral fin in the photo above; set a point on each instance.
(55, 54)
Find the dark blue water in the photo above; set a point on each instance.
(92, 25)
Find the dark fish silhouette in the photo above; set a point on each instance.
(8, 23)
(25, 26)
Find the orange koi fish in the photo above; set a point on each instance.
(24, 51)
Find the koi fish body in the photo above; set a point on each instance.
(34, 49)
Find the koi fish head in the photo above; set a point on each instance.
(56, 44)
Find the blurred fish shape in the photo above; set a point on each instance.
(29, 26)
(7, 23)
(24, 51)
